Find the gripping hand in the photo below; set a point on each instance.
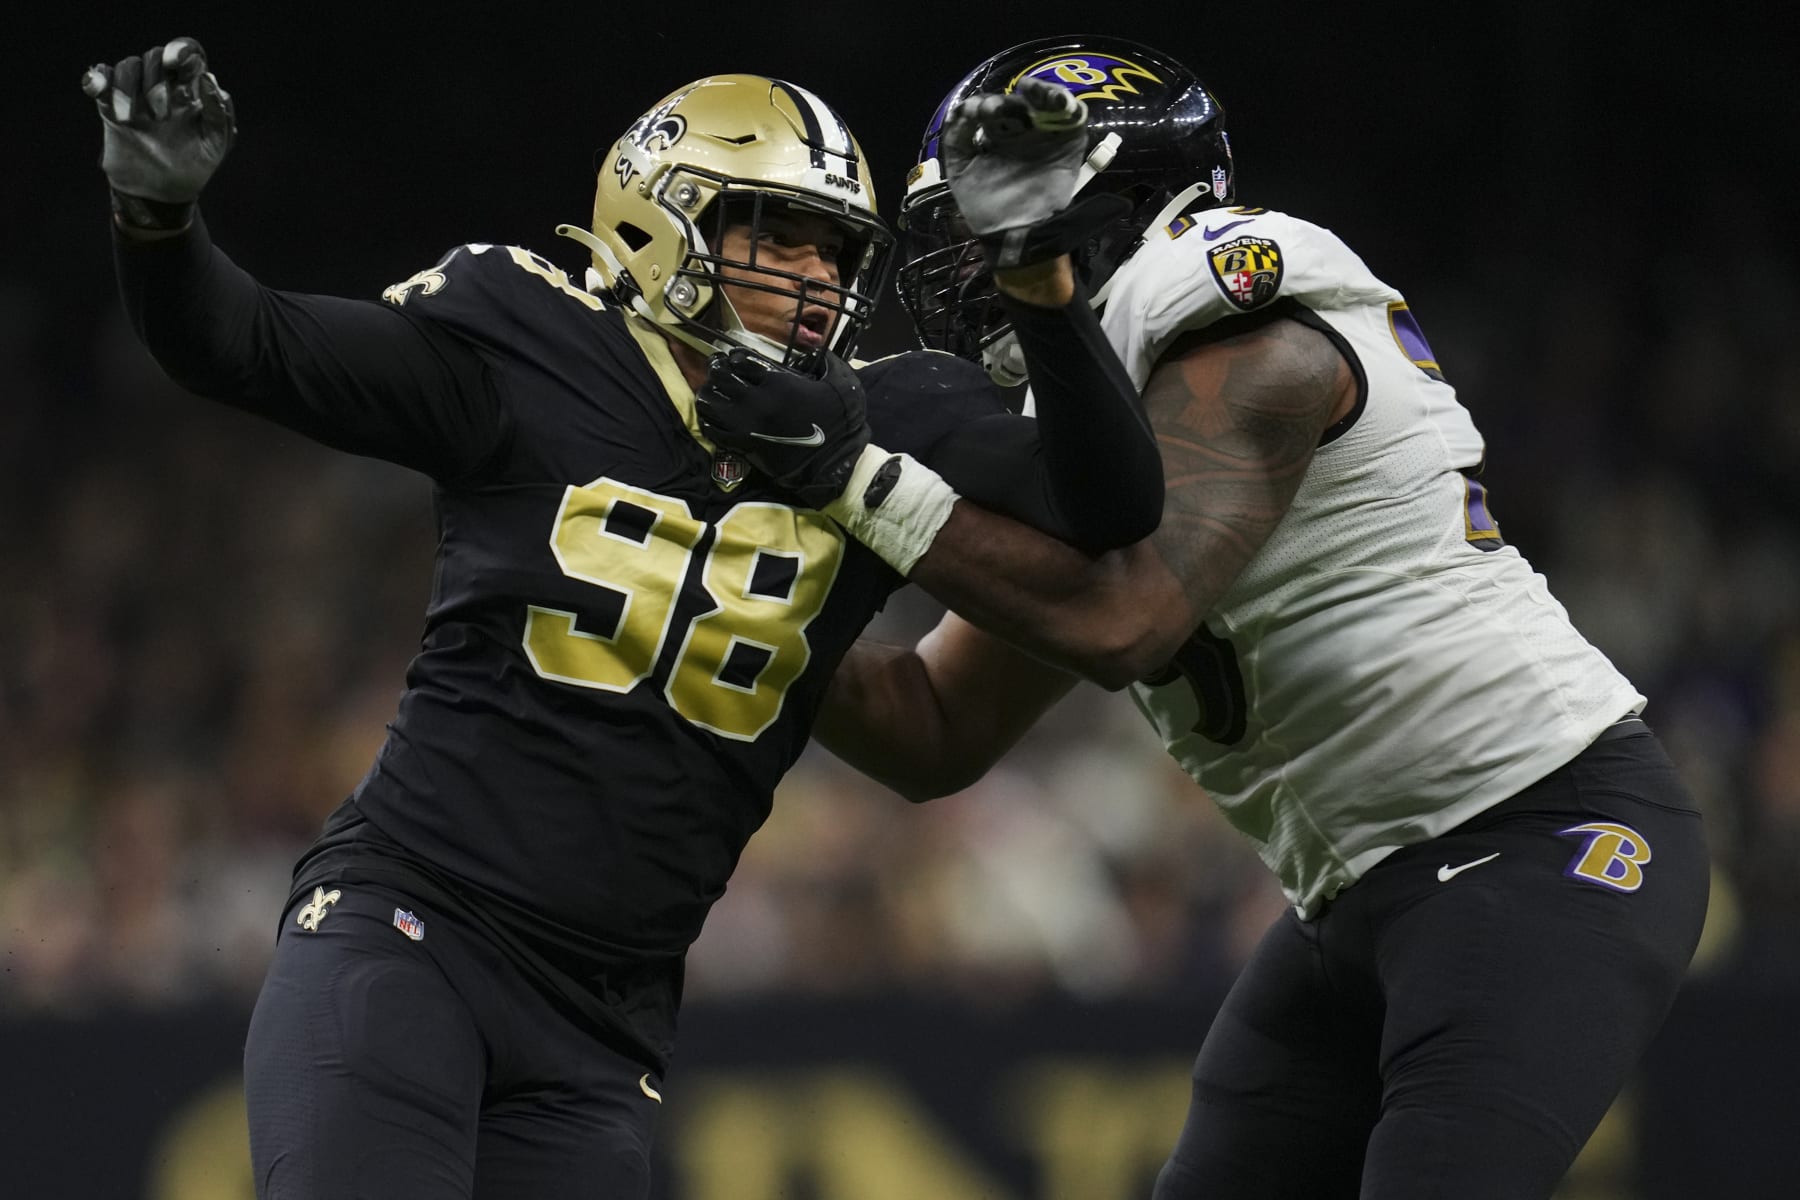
(1013, 162)
(804, 433)
(167, 126)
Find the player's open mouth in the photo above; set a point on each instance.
(811, 328)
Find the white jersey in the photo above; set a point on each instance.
(1385, 667)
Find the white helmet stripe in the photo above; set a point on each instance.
(824, 128)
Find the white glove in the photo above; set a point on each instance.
(1013, 162)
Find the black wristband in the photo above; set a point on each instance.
(158, 216)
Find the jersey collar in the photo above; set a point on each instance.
(655, 346)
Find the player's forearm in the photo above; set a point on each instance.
(931, 720)
(881, 716)
(189, 305)
(213, 327)
(1111, 619)
(1101, 460)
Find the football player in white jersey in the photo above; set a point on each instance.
(1497, 880)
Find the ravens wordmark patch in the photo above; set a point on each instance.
(1248, 270)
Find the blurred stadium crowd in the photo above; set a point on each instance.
(205, 624)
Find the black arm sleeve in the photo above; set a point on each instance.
(356, 375)
(1087, 470)
(997, 460)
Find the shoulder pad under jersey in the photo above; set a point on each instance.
(497, 295)
(917, 397)
(1206, 266)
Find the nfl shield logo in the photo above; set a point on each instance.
(727, 470)
(1220, 183)
(408, 924)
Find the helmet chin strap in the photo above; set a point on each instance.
(596, 283)
(1178, 204)
(768, 347)
(1098, 159)
(596, 247)
(1175, 207)
(1002, 358)
(735, 331)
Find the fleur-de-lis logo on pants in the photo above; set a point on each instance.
(318, 908)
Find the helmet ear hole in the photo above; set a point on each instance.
(632, 236)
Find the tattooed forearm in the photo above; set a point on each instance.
(1238, 419)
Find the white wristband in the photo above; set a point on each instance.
(901, 523)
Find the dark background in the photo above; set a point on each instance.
(203, 621)
(374, 136)
(1533, 151)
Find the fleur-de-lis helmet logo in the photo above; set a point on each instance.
(652, 133)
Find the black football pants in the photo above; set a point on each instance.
(1454, 1026)
(385, 1067)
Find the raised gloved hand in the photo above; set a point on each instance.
(167, 125)
(803, 432)
(1013, 161)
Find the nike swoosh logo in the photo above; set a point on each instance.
(1447, 872)
(815, 438)
(1212, 234)
(644, 1087)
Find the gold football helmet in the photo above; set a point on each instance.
(722, 150)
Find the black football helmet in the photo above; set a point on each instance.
(1156, 137)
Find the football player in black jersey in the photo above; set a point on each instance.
(475, 983)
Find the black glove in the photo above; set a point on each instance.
(167, 125)
(804, 432)
(1012, 162)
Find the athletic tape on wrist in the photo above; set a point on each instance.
(152, 216)
(894, 505)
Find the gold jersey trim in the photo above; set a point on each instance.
(655, 346)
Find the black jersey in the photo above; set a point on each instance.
(628, 633)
